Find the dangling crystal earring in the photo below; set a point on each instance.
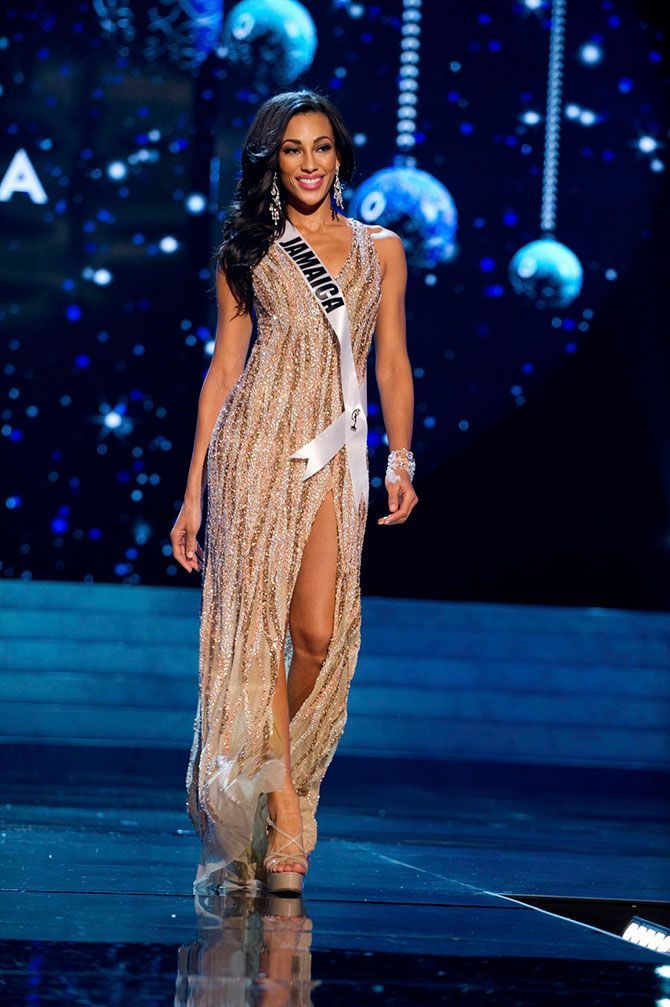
(275, 201)
(337, 189)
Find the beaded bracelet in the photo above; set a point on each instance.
(401, 458)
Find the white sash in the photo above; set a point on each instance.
(351, 426)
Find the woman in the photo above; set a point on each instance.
(285, 438)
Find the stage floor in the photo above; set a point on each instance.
(414, 894)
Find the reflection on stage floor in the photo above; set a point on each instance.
(415, 892)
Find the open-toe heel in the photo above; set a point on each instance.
(285, 882)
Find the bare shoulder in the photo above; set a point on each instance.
(383, 235)
(389, 245)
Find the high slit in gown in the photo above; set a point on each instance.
(259, 515)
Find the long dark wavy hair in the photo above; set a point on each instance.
(248, 228)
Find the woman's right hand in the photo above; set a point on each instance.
(185, 547)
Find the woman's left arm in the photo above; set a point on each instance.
(393, 370)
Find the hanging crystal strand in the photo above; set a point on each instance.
(552, 136)
(546, 270)
(410, 56)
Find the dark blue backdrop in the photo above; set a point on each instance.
(541, 434)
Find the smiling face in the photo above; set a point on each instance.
(307, 158)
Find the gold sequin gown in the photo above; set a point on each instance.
(259, 515)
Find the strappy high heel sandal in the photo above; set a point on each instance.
(288, 882)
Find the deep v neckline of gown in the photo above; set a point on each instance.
(352, 248)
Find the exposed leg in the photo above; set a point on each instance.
(312, 611)
(284, 805)
(311, 618)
